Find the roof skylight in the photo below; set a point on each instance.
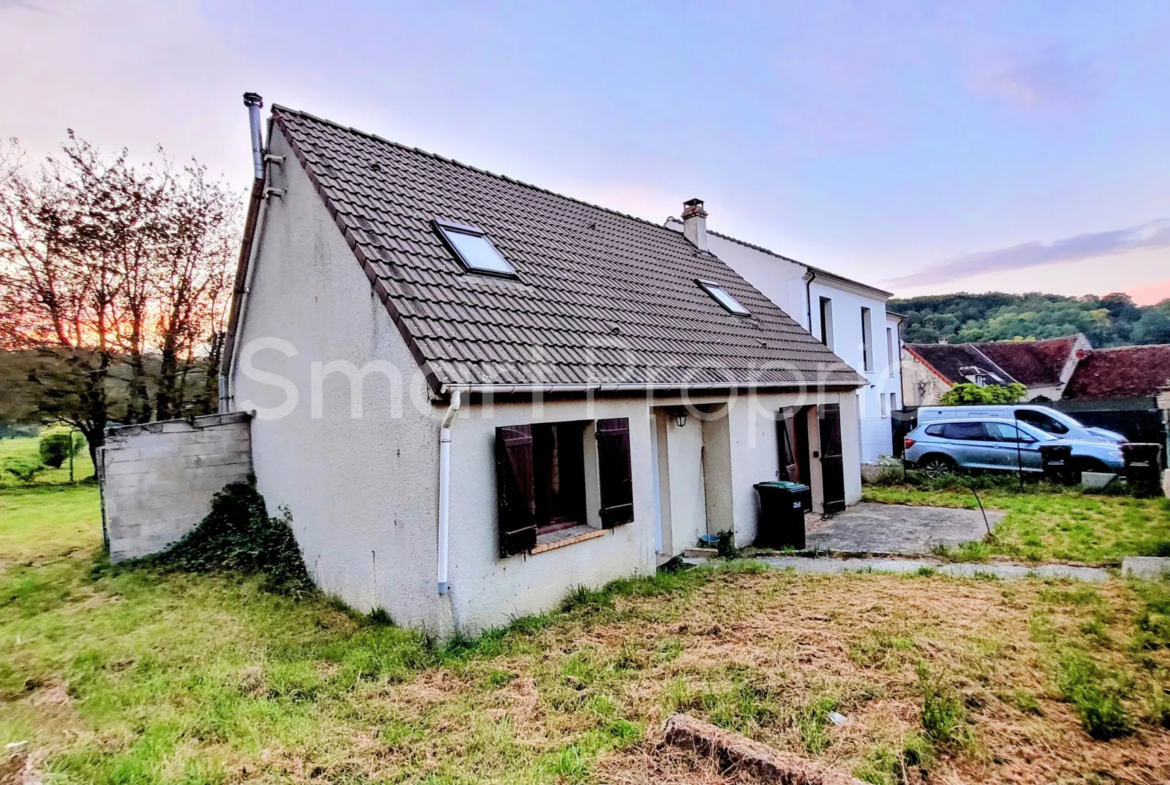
(722, 297)
(474, 250)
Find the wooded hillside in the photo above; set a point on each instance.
(1112, 320)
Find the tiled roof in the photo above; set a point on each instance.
(604, 299)
(954, 361)
(1126, 372)
(1032, 363)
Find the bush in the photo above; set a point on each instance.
(56, 448)
(239, 535)
(973, 394)
(25, 471)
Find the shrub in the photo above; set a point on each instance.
(964, 394)
(239, 535)
(25, 471)
(56, 448)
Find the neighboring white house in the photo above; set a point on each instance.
(474, 395)
(848, 317)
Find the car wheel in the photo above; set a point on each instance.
(935, 466)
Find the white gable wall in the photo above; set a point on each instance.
(783, 282)
(361, 491)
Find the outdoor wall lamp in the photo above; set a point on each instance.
(680, 418)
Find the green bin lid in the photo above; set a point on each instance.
(783, 485)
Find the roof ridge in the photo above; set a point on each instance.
(1131, 347)
(437, 156)
(770, 252)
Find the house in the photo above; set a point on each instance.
(847, 316)
(1120, 389)
(473, 395)
(1043, 367)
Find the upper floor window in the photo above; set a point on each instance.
(867, 339)
(474, 250)
(827, 322)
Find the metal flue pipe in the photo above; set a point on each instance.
(255, 103)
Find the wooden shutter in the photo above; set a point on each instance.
(514, 489)
(613, 468)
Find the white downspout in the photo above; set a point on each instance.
(445, 485)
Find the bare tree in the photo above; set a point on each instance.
(117, 277)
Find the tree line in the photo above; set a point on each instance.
(115, 282)
(1111, 320)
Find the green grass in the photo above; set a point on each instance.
(41, 522)
(126, 675)
(27, 449)
(1043, 524)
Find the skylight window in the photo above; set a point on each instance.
(723, 298)
(474, 250)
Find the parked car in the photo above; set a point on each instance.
(1049, 420)
(999, 445)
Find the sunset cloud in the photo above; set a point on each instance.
(1154, 234)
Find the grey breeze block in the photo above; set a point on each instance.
(157, 479)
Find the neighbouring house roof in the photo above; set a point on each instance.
(824, 275)
(1125, 372)
(603, 300)
(956, 362)
(1032, 363)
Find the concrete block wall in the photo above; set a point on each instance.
(158, 478)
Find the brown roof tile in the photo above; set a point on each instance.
(1032, 363)
(1126, 372)
(582, 269)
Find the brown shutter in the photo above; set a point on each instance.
(613, 464)
(514, 496)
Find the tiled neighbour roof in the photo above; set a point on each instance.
(604, 299)
(1126, 372)
(1032, 363)
(949, 360)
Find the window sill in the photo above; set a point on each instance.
(554, 540)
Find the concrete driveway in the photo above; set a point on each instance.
(896, 528)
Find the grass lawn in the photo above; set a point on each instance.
(131, 676)
(27, 449)
(1047, 524)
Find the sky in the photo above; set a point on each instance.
(923, 147)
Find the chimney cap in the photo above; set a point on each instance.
(253, 99)
(693, 203)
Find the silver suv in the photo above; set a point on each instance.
(995, 444)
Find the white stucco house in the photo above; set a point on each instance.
(847, 316)
(474, 395)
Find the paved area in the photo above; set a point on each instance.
(1145, 566)
(1001, 570)
(896, 528)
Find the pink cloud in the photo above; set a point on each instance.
(1150, 294)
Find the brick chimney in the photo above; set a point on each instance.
(694, 219)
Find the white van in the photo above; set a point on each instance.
(1049, 420)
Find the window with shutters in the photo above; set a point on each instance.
(541, 478)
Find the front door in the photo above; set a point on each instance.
(832, 460)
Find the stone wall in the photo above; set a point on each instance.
(158, 479)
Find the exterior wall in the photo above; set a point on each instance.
(783, 282)
(158, 479)
(361, 490)
(486, 590)
(920, 385)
